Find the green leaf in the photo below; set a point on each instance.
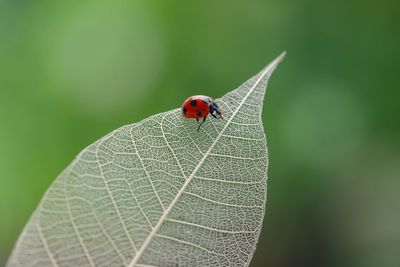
(159, 193)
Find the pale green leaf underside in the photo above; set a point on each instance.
(158, 193)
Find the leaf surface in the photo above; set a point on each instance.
(159, 193)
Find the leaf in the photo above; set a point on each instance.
(159, 193)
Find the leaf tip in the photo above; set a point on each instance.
(267, 71)
(278, 59)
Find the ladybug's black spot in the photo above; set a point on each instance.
(199, 113)
(193, 103)
(184, 110)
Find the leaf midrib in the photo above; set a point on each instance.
(164, 216)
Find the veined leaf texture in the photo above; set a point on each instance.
(159, 193)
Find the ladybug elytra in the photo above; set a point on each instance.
(200, 106)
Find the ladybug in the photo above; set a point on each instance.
(199, 106)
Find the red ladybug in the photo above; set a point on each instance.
(199, 106)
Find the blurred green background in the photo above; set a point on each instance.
(72, 71)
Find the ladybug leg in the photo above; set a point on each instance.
(198, 128)
(220, 116)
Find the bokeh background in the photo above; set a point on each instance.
(72, 71)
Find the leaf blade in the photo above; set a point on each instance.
(149, 174)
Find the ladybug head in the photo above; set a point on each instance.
(215, 111)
